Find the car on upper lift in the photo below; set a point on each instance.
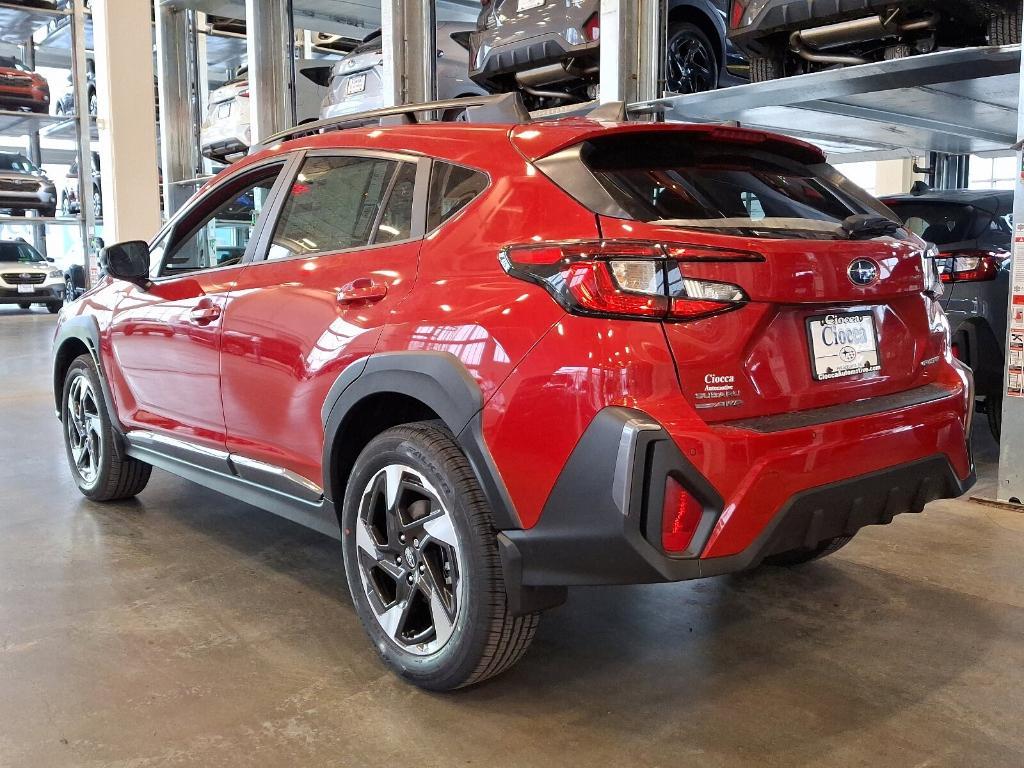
(69, 202)
(21, 88)
(65, 106)
(498, 358)
(25, 187)
(226, 131)
(27, 277)
(357, 81)
(548, 49)
(789, 37)
(971, 229)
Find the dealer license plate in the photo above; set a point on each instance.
(842, 344)
(526, 5)
(26, 289)
(355, 84)
(223, 110)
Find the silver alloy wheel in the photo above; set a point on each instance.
(409, 559)
(83, 429)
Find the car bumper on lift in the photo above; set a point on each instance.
(780, 16)
(796, 480)
(489, 61)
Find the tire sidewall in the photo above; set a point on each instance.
(686, 28)
(458, 658)
(84, 366)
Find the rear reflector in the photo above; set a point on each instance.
(679, 518)
(627, 279)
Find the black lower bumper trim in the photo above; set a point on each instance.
(585, 538)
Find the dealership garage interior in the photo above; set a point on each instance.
(870, 607)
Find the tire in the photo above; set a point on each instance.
(49, 212)
(100, 471)
(1004, 29)
(65, 205)
(25, 305)
(93, 105)
(53, 307)
(994, 412)
(97, 204)
(463, 633)
(69, 291)
(691, 64)
(801, 556)
(17, 211)
(764, 68)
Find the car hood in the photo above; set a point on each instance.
(34, 269)
(17, 176)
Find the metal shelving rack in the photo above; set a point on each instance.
(64, 31)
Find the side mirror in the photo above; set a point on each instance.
(50, 259)
(128, 261)
(96, 243)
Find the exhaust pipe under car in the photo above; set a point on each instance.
(809, 43)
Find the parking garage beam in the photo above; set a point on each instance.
(409, 41)
(179, 107)
(270, 39)
(126, 120)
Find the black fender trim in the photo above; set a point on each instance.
(85, 329)
(441, 382)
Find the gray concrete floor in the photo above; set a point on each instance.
(185, 628)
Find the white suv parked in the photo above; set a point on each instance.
(226, 133)
(27, 277)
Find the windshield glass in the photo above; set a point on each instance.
(18, 163)
(19, 253)
(943, 223)
(687, 181)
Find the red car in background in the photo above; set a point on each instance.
(499, 358)
(21, 88)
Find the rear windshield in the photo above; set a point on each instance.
(696, 183)
(19, 253)
(944, 223)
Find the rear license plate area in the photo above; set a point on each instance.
(842, 344)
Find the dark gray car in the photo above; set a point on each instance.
(972, 232)
(790, 37)
(548, 49)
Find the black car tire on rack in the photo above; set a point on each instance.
(422, 563)
(763, 68)
(24, 304)
(691, 62)
(1005, 28)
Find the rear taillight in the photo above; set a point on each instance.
(680, 516)
(628, 279)
(592, 28)
(244, 93)
(972, 267)
(736, 12)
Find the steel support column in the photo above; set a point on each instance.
(176, 45)
(79, 67)
(409, 39)
(631, 45)
(126, 120)
(35, 151)
(270, 39)
(1011, 447)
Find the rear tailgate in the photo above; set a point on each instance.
(760, 360)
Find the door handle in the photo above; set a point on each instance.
(204, 315)
(362, 290)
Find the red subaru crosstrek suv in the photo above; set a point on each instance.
(499, 359)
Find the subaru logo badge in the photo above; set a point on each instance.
(863, 272)
(26, 276)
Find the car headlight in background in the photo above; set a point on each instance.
(56, 273)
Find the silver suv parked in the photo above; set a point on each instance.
(27, 277)
(357, 80)
(24, 186)
(548, 49)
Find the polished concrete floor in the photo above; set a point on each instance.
(185, 628)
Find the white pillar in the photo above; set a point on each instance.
(408, 39)
(630, 50)
(123, 46)
(271, 43)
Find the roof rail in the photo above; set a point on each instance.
(499, 108)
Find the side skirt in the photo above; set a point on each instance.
(218, 471)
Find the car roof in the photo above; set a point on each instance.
(991, 200)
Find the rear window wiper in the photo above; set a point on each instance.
(865, 226)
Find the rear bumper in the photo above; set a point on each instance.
(770, 491)
(491, 58)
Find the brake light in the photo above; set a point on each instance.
(680, 516)
(736, 12)
(244, 93)
(592, 28)
(627, 279)
(973, 267)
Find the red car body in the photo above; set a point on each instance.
(573, 422)
(21, 89)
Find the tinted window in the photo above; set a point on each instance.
(396, 220)
(218, 232)
(452, 188)
(333, 205)
(19, 253)
(943, 222)
(699, 183)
